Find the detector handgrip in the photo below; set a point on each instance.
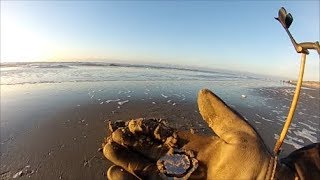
(286, 20)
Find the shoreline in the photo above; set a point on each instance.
(307, 84)
(54, 131)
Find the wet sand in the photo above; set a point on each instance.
(55, 132)
(66, 145)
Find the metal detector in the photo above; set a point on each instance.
(286, 20)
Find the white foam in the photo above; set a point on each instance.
(18, 174)
(263, 118)
(313, 122)
(123, 102)
(169, 101)
(306, 134)
(292, 128)
(310, 96)
(153, 102)
(101, 102)
(282, 118)
(277, 112)
(293, 124)
(164, 96)
(285, 106)
(295, 139)
(126, 92)
(287, 99)
(112, 100)
(289, 141)
(310, 127)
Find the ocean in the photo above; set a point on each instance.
(267, 99)
(54, 72)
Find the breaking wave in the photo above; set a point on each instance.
(59, 72)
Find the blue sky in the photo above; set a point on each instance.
(234, 35)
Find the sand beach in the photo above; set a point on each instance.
(54, 130)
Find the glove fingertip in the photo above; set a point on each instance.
(118, 173)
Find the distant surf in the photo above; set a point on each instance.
(59, 72)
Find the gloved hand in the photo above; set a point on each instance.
(236, 151)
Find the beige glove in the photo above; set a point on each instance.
(235, 152)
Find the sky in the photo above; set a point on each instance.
(233, 35)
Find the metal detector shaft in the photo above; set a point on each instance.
(286, 20)
(293, 106)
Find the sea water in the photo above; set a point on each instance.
(267, 98)
(46, 72)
